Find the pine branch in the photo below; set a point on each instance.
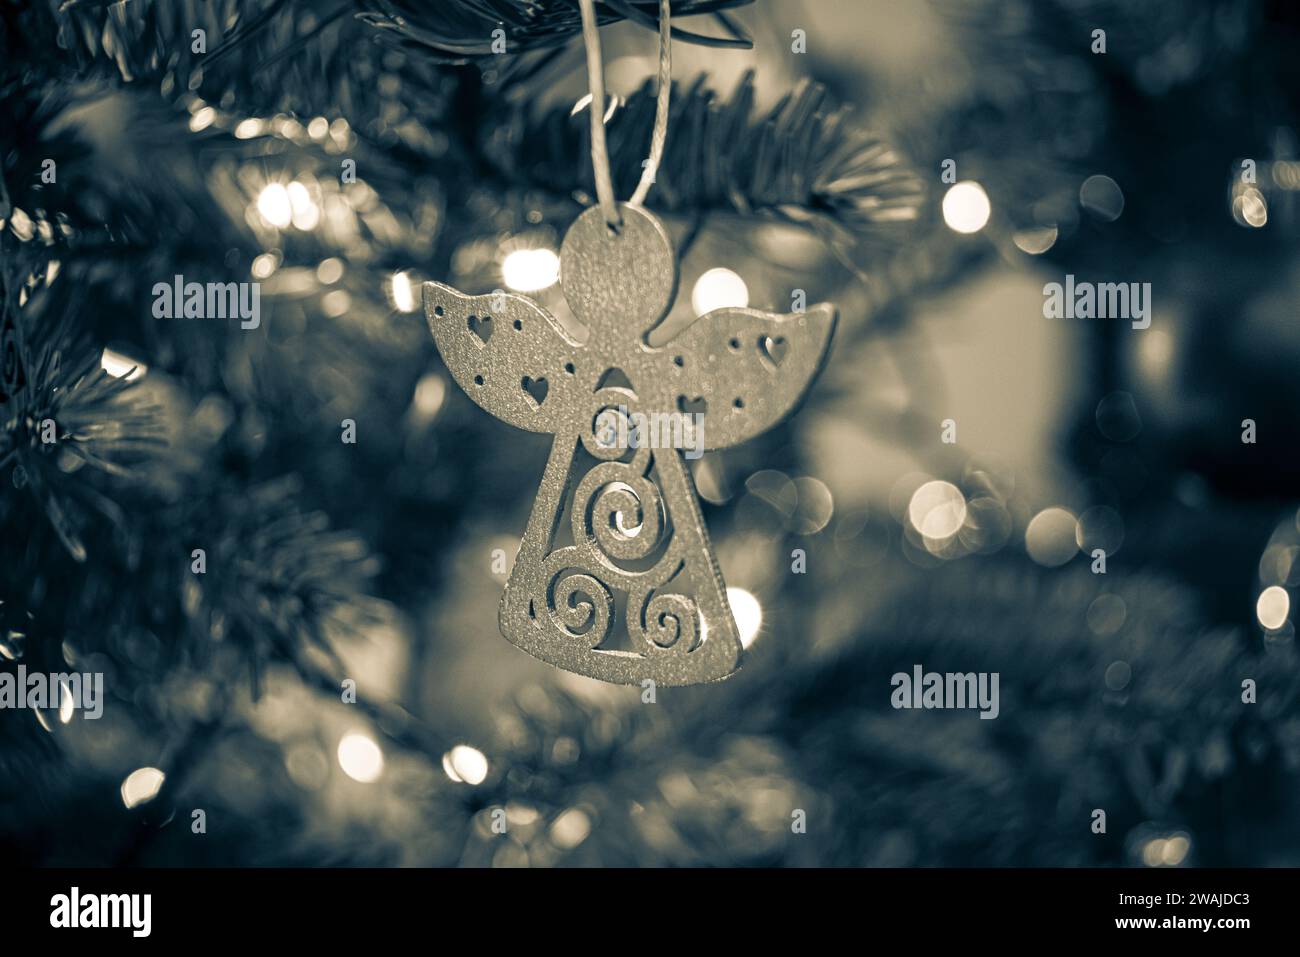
(803, 160)
(677, 786)
(458, 33)
(276, 576)
(84, 197)
(276, 51)
(67, 411)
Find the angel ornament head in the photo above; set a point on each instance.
(615, 577)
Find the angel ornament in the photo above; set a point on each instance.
(615, 577)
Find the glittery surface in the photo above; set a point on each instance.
(615, 577)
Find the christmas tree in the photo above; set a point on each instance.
(238, 482)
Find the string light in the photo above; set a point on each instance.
(1273, 607)
(202, 119)
(306, 214)
(530, 270)
(275, 206)
(570, 829)
(67, 704)
(1052, 537)
(336, 303)
(937, 510)
(1167, 851)
(966, 207)
(142, 785)
(1035, 241)
(330, 270)
(465, 765)
(747, 612)
(403, 294)
(264, 265)
(1250, 208)
(430, 392)
(360, 757)
(719, 288)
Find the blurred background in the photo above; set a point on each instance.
(928, 166)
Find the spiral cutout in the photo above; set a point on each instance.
(625, 518)
(581, 606)
(671, 623)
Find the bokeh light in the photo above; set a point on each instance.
(1250, 208)
(937, 510)
(330, 270)
(142, 785)
(1273, 607)
(465, 765)
(1100, 527)
(1101, 196)
(308, 766)
(306, 214)
(747, 612)
(987, 526)
(966, 207)
(202, 119)
(430, 392)
(403, 294)
(816, 506)
(719, 288)
(67, 703)
(264, 265)
(1278, 565)
(530, 270)
(1175, 850)
(570, 829)
(1106, 614)
(360, 757)
(275, 206)
(1166, 851)
(1052, 537)
(336, 303)
(1035, 241)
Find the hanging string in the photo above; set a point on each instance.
(596, 84)
(660, 135)
(596, 87)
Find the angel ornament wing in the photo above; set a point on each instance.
(615, 577)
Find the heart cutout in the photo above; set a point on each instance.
(695, 406)
(773, 349)
(535, 390)
(481, 328)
